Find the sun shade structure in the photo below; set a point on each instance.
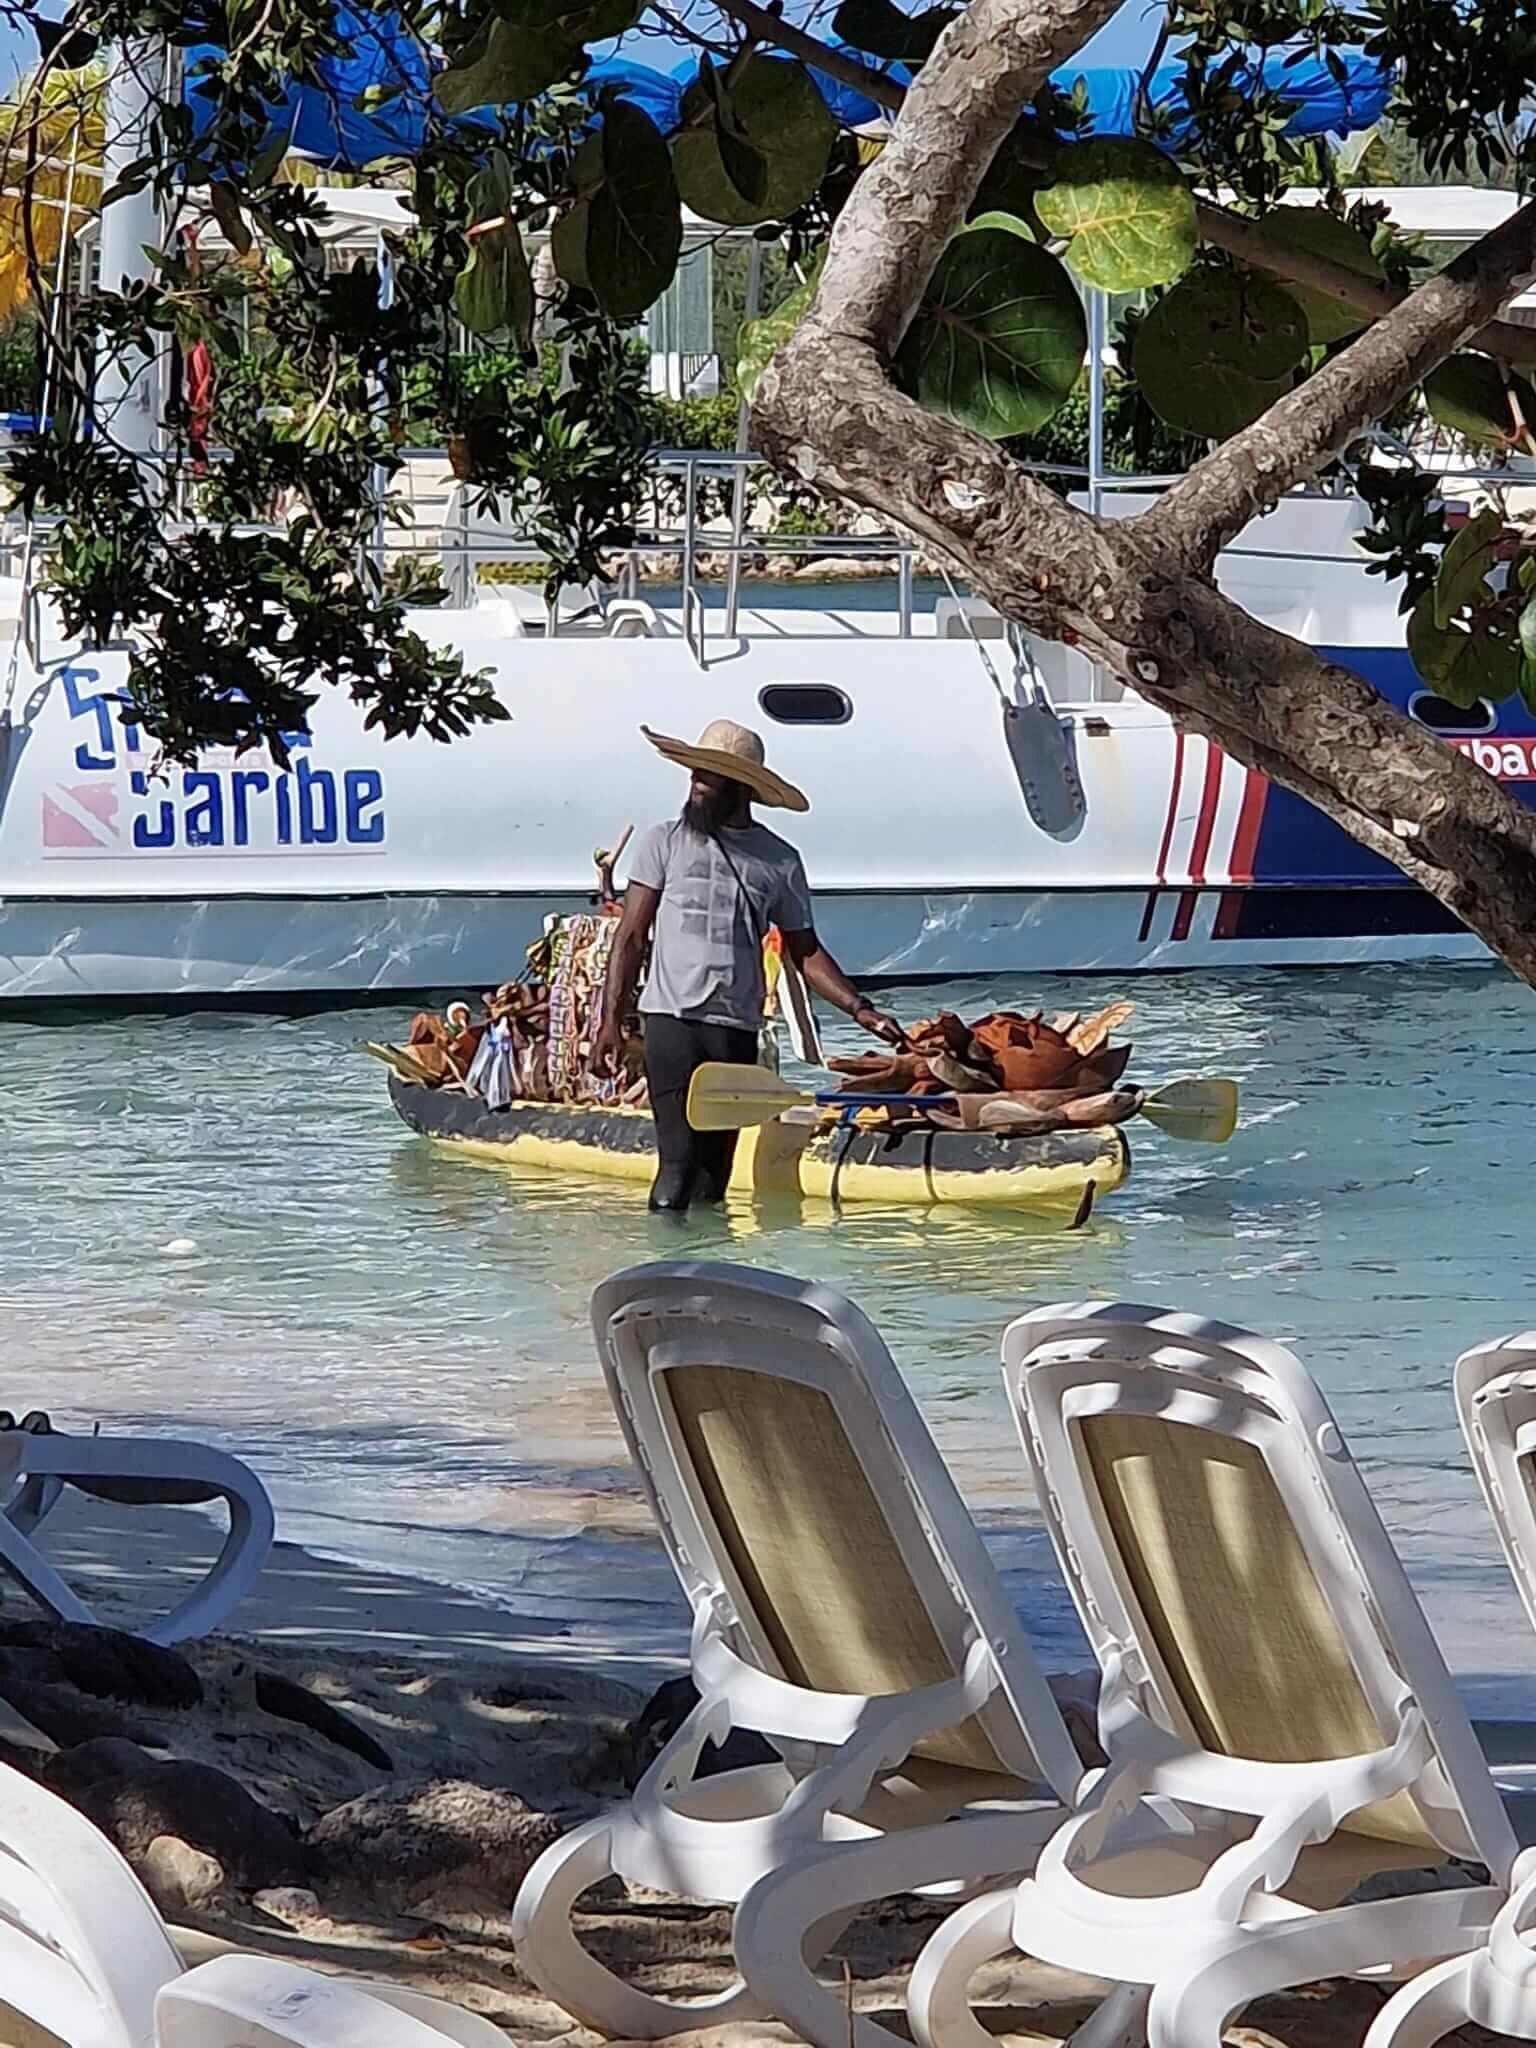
(335, 122)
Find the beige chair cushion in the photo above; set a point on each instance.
(1233, 1605)
(811, 1548)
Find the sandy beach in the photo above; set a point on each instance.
(454, 1689)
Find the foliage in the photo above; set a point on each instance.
(21, 363)
(324, 373)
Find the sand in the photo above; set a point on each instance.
(456, 1688)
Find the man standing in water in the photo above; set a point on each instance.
(704, 890)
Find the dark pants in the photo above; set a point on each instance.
(695, 1165)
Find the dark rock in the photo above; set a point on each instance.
(60, 1713)
(407, 1846)
(290, 1701)
(665, 1712)
(18, 1758)
(107, 1663)
(133, 1798)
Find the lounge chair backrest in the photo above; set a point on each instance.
(1217, 1535)
(82, 1949)
(1496, 1402)
(803, 1502)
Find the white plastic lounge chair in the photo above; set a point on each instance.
(35, 1467)
(1496, 1985)
(85, 1956)
(1278, 1720)
(844, 1608)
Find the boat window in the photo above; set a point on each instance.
(805, 704)
(1441, 715)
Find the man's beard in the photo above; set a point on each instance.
(710, 813)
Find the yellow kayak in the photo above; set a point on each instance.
(795, 1155)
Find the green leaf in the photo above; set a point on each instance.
(745, 165)
(1320, 233)
(999, 339)
(232, 223)
(1009, 223)
(758, 339)
(1217, 352)
(493, 294)
(1462, 664)
(1127, 210)
(622, 237)
(1017, 173)
(1466, 394)
(506, 62)
(1528, 635)
(778, 112)
(882, 30)
(1464, 566)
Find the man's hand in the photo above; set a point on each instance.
(879, 1025)
(606, 1058)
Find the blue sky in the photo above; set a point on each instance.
(1125, 40)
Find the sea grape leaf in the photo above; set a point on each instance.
(1462, 663)
(1217, 352)
(880, 29)
(493, 294)
(778, 113)
(1128, 214)
(505, 62)
(1321, 233)
(1467, 395)
(998, 342)
(745, 164)
(622, 237)
(1464, 566)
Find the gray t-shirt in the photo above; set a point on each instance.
(706, 956)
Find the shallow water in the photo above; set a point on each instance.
(397, 1337)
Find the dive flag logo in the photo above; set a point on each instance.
(80, 817)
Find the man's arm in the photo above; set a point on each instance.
(823, 974)
(629, 946)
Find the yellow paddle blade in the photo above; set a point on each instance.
(398, 1061)
(1204, 1112)
(722, 1097)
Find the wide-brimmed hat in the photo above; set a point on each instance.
(734, 751)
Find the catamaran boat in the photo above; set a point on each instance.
(981, 804)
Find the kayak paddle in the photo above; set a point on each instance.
(722, 1097)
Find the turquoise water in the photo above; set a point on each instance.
(397, 1337)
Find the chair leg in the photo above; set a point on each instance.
(779, 1915)
(939, 1993)
(239, 1564)
(1119, 2022)
(1426, 2008)
(23, 1562)
(551, 1957)
(1193, 2010)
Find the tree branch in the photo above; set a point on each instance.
(1250, 241)
(1316, 421)
(990, 61)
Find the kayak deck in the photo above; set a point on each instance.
(796, 1154)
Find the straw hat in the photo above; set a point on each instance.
(725, 748)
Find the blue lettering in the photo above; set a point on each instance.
(90, 704)
(205, 819)
(364, 791)
(284, 788)
(246, 781)
(138, 782)
(317, 792)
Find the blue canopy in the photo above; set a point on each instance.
(325, 121)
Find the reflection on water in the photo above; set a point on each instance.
(397, 1335)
